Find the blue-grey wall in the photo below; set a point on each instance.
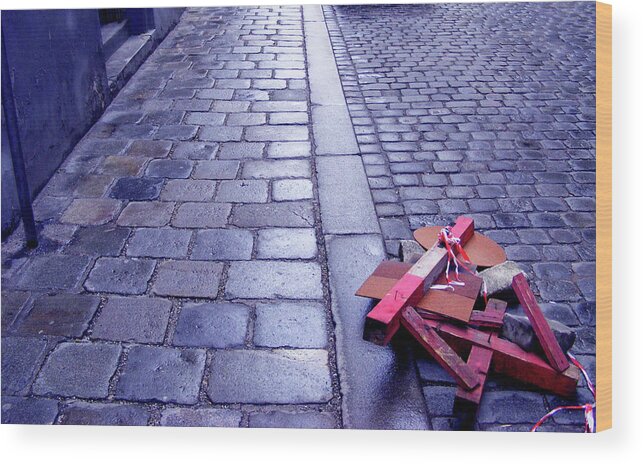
(10, 208)
(59, 84)
(60, 87)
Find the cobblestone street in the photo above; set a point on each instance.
(200, 247)
(488, 111)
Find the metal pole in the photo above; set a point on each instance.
(22, 185)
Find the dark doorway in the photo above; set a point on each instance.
(111, 15)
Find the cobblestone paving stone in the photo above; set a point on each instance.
(485, 110)
(162, 237)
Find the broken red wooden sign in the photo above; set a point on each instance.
(545, 335)
(447, 327)
(384, 319)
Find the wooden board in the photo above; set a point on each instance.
(544, 334)
(481, 319)
(481, 250)
(464, 375)
(457, 304)
(480, 361)
(383, 320)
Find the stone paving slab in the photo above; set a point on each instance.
(80, 413)
(292, 189)
(190, 279)
(133, 319)
(290, 325)
(284, 420)
(93, 366)
(212, 325)
(286, 243)
(53, 272)
(21, 358)
(202, 417)
(223, 245)
(289, 149)
(344, 196)
(329, 122)
(200, 215)
(274, 279)
(12, 304)
(284, 214)
(379, 385)
(249, 377)
(136, 188)
(89, 211)
(120, 275)
(159, 243)
(276, 169)
(243, 191)
(188, 190)
(99, 241)
(21, 410)
(62, 314)
(146, 214)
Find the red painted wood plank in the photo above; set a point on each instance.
(548, 342)
(480, 361)
(463, 229)
(482, 250)
(493, 320)
(382, 321)
(465, 377)
(488, 319)
(511, 360)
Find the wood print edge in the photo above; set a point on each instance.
(603, 216)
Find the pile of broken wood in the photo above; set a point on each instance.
(440, 298)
